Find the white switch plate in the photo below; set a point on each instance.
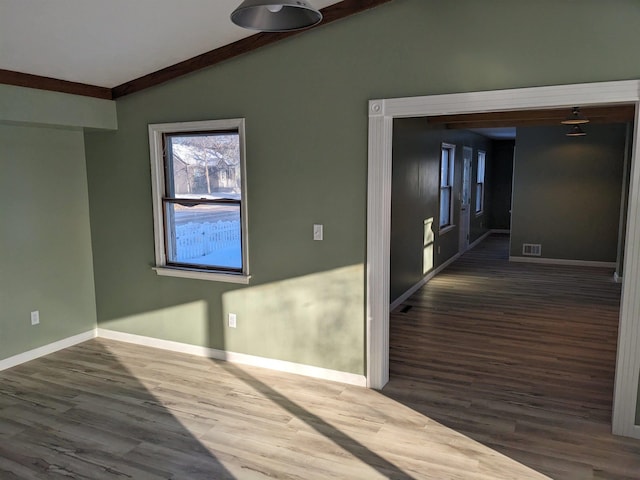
(317, 232)
(232, 320)
(35, 317)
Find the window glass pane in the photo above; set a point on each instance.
(445, 207)
(479, 197)
(444, 168)
(204, 165)
(481, 163)
(206, 235)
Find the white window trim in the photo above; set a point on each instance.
(156, 132)
(381, 115)
(446, 229)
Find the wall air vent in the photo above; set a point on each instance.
(532, 249)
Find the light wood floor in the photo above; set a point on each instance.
(478, 409)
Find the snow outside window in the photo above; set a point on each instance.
(480, 182)
(446, 186)
(199, 190)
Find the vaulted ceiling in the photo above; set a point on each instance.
(108, 48)
(106, 43)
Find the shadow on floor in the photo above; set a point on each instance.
(80, 414)
(518, 357)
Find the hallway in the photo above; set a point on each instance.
(520, 357)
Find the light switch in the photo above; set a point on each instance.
(317, 232)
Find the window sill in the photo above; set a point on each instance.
(480, 213)
(201, 275)
(446, 229)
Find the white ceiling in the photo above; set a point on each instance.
(110, 42)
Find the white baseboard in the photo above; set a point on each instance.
(563, 261)
(617, 277)
(402, 298)
(46, 349)
(240, 358)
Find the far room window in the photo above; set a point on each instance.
(446, 185)
(199, 194)
(480, 182)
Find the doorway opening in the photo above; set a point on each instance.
(381, 116)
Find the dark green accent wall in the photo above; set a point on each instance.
(624, 204)
(305, 104)
(566, 192)
(415, 199)
(45, 245)
(501, 175)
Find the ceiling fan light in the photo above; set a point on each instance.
(575, 118)
(275, 16)
(576, 131)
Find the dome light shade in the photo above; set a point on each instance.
(275, 16)
(575, 118)
(576, 131)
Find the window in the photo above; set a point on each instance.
(446, 185)
(480, 182)
(199, 189)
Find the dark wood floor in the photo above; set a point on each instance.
(519, 357)
(496, 375)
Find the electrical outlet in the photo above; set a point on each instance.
(232, 320)
(35, 317)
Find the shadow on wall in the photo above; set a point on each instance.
(316, 320)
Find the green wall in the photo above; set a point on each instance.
(415, 199)
(624, 204)
(305, 104)
(28, 106)
(638, 404)
(45, 237)
(45, 245)
(566, 192)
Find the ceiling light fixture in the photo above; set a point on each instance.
(275, 16)
(575, 118)
(576, 131)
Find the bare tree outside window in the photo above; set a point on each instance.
(203, 190)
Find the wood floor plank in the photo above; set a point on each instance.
(498, 371)
(520, 357)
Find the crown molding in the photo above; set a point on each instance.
(19, 79)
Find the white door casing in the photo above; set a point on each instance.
(381, 115)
